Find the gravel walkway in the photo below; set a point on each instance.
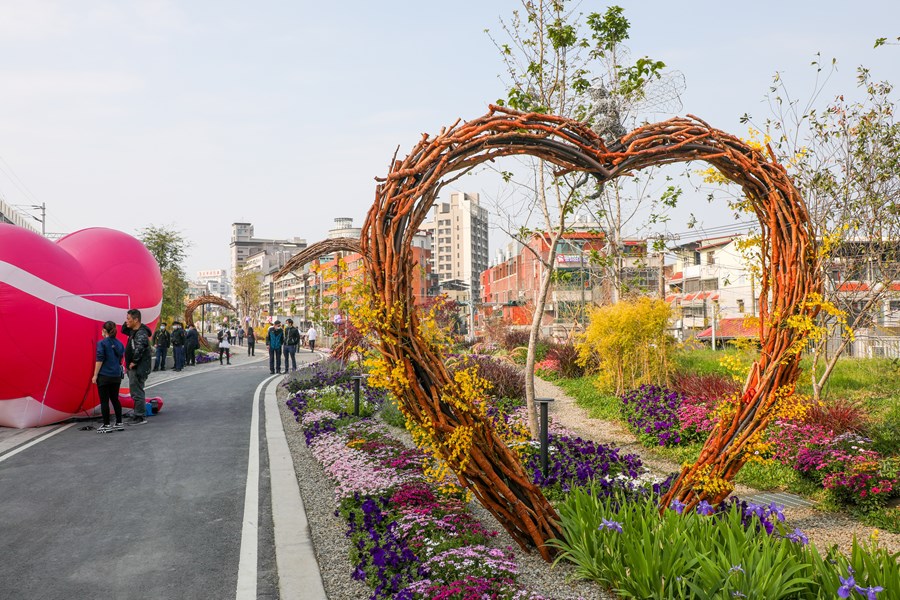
(823, 528)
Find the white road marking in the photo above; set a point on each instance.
(33, 442)
(247, 567)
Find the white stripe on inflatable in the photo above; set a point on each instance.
(80, 305)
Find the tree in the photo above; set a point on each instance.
(169, 247)
(246, 290)
(548, 61)
(845, 158)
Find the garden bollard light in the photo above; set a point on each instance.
(356, 382)
(544, 403)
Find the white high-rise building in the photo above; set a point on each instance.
(459, 245)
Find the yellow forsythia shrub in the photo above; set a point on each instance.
(626, 344)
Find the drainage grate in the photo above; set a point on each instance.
(780, 498)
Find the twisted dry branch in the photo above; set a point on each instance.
(196, 302)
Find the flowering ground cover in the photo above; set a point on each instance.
(844, 464)
(651, 412)
(408, 539)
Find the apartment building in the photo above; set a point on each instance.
(9, 214)
(459, 238)
(711, 280)
(244, 245)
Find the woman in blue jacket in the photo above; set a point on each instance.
(108, 376)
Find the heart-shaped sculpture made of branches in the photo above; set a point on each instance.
(403, 200)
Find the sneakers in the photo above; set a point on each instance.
(136, 421)
(104, 429)
(118, 427)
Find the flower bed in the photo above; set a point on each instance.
(651, 413)
(843, 464)
(408, 541)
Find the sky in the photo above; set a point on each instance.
(197, 114)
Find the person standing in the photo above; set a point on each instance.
(274, 342)
(291, 341)
(251, 342)
(240, 336)
(161, 340)
(178, 338)
(191, 344)
(224, 346)
(108, 376)
(311, 338)
(137, 359)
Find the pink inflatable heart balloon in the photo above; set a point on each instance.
(53, 299)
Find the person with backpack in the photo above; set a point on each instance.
(274, 342)
(291, 341)
(161, 340)
(178, 340)
(108, 372)
(137, 359)
(224, 345)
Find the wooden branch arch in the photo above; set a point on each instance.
(196, 302)
(404, 198)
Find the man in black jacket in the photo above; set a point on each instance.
(191, 344)
(137, 358)
(291, 341)
(161, 340)
(178, 345)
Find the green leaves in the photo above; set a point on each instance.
(609, 29)
(169, 248)
(633, 79)
(690, 556)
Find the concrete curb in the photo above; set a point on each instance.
(298, 571)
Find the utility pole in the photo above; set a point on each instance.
(662, 276)
(581, 257)
(715, 305)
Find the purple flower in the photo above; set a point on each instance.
(677, 506)
(798, 537)
(611, 525)
(705, 508)
(870, 592)
(735, 569)
(776, 510)
(847, 586)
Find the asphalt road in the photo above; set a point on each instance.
(155, 511)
